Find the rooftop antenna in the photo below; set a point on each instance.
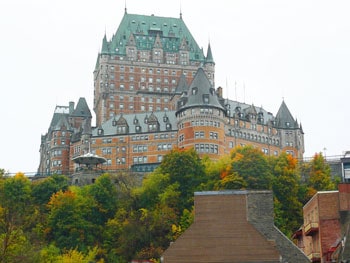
(236, 90)
(243, 92)
(180, 11)
(125, 10)
(226, 88)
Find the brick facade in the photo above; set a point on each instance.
(326, 222)
(144, 80)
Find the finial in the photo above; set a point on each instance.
(180, 11)
(125, 10)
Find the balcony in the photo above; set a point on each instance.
(314, 257)
(311, 228)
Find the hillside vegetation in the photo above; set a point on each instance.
(117, 219)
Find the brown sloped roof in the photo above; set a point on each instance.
(221, 233)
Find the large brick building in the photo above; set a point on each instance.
(154, 90)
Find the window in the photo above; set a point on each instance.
(206, 98)
(121, 129)
(213, 135)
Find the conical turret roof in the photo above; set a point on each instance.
(200, 93)
(284, 118)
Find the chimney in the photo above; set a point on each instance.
(344, 197)
(219, 92)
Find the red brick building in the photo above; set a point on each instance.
(326, 226)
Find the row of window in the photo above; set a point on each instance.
(201, 134)
(160, 136)
(57, 153)
(136, 160)
(131, 87)
(164, 147)
(254, 137)
(200, 111)
(59, 142)
(131, 106)
(139, 148)
(207, 148)
(56, 163)
(143, 79)
(205, 123)
(136, 148)
(56, 134)
(253, 127)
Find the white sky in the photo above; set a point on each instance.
(298, 50)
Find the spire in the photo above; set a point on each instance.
(104, 49)
(209, 58)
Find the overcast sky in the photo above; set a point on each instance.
(297, 50)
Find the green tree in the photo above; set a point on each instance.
(320, 175)
(252, 166)
(185, 168)
(42, 190)
(104, 193)
(14, 210)
(69, 220)
(286, 181)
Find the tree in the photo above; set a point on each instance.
(14, 209)
(42, 190)
(286, 182)
(251, 165)
(320, 174)
(105, 195)
(185, 168)
(69, 222)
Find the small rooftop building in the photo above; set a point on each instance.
(233, 226)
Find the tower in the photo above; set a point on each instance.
(201, 118)
(139, 69)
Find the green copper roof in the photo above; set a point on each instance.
(172, 32)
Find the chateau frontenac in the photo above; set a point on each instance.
(154, 91)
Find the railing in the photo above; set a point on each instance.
(311, 228)
(314, 256)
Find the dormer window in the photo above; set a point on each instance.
(100, 131)
(152, 127)
(114, 123)
(194, 91)
(168, 126)
(122, 129)
(206, 98)
(288, 124)
(165, 118)
(138, 128)
(136, 121)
